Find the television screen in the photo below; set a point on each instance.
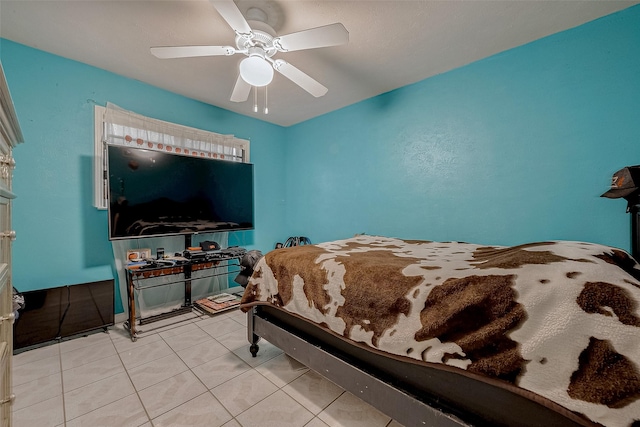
(152, 193)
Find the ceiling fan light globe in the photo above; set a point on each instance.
(256, 71)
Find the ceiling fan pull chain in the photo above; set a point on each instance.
(266, 107)
(255, 99)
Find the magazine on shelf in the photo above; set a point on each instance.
(218, 303)
(220, 298)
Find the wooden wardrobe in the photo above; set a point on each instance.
(10, 136)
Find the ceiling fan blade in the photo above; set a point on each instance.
(298, 77)
(240, 90)
(329, 35)
(167, 52)
(230, 12)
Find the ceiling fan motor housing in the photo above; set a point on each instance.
(262, 35)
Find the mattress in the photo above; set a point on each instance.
(557, 320)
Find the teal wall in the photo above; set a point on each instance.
(513, 148)
(61, 237)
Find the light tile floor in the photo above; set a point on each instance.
(193, 370)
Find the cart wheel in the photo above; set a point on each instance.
(253, 348)
(125, 325)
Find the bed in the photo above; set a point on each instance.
(459, 334)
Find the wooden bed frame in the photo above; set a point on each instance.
(410, 393)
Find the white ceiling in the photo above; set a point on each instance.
(392, 43)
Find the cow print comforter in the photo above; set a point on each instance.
(560, 319)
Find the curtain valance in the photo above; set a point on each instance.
(122, 127)
(117, 126)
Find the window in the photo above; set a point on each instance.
(116, 126)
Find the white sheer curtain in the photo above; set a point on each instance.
(117, 126)
(128, 128)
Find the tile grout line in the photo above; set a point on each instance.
(207, 390)
(132, 385)
(96, 409)
(188, 368)
(279, 388)
(64, 406)
(233, 417)
(112, 334)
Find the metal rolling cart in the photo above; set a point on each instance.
(228, 259)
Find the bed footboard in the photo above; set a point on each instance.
(410, 394)
(399, 405)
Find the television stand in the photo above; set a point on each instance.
(139, 275)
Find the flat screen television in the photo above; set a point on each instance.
(152, 193)
(62, 312)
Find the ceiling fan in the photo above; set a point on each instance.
(259, 43)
